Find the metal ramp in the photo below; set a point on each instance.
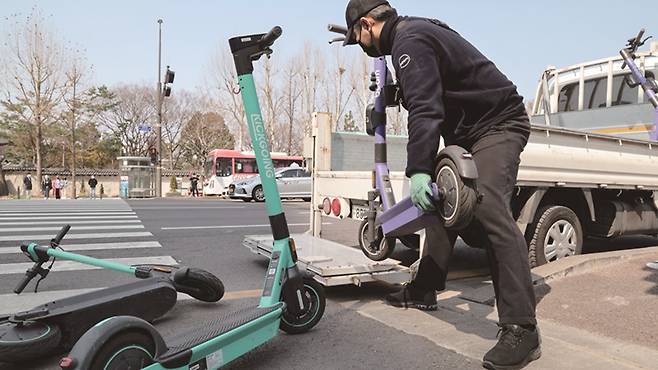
(334, 264)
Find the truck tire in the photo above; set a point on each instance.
(556, 233)
(461, 197)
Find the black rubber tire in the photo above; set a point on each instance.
(380, 249)
(112, 354)
(297, 325)
(467, 197)
(536, 232)
(258, 194)
(200, 284)
(33, 338)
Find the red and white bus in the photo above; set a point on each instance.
(223, 166)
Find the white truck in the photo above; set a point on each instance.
(576, 179)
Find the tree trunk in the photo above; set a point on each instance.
(39, 140)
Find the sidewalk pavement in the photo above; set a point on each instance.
(596, 311)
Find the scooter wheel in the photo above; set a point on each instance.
(199, 284)
(379, 249)
(18, 342)
(457, 208)
(293, 324)
(129, 350)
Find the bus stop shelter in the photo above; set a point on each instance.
(136, 177)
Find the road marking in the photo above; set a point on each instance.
(2, 218)
(74, 236)
(20, 268)
(12, 303)
(113, 213)
(160, 208)
(96, 227)
(55, 209)
(74, 222)
(223, 227)
(94, 246)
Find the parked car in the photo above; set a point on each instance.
(293, 182)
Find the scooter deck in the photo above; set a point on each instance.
(182, 343)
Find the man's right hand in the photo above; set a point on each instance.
(421, 192)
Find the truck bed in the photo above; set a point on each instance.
(553, 157)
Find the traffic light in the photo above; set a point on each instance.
(169, 76)
(166, 91)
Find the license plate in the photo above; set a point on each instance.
(360, 212)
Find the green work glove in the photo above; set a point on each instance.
(421, 192)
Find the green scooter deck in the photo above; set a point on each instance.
(212, 329)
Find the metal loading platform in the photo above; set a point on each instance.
(334, 264)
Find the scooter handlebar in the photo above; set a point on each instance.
(29, 275)
(65, 229)
(271, 36)
(337, 29)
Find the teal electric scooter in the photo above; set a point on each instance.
(290, 301)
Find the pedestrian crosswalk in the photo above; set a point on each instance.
(108, 229)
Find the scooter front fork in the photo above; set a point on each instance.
(372, 214)
(292, 293)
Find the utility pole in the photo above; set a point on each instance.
(158, 164)
(75, 83)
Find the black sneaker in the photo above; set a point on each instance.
(516, 347)
(411, 296)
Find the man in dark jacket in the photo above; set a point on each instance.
(92, 187)
(27, 186)
(450, 89)
(194, 183)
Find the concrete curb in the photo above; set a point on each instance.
(482, 291)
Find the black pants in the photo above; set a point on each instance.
(195, 191)
(497, 156)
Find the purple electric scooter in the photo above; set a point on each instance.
(637, 78)
(454, 188)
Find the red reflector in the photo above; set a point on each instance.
(335, 207)
(66, 363)
(326, 206)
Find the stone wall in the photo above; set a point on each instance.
(110, 185)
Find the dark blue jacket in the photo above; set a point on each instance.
(448, 87)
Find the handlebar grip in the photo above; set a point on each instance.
(65, 229)
(29, 275)
(271, 36)
(337, 29)
(638, 39)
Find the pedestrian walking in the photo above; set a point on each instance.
(452, 90)
(46, 185)
(59, 184)
(92, 187)
(27, 186)
(194, 183)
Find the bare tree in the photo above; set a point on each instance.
(291, 96)
(129, 119)
(76, 73)
(271, 101)
(177, 111)
(34, 77)
(223, 86)
(203, 133)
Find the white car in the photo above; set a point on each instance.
(293, 182)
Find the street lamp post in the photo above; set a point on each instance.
(158, 165)
(163, 91)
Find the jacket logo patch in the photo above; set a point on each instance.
(404, 61)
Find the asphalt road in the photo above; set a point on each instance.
(207, 233)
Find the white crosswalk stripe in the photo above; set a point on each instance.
(98, 228)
